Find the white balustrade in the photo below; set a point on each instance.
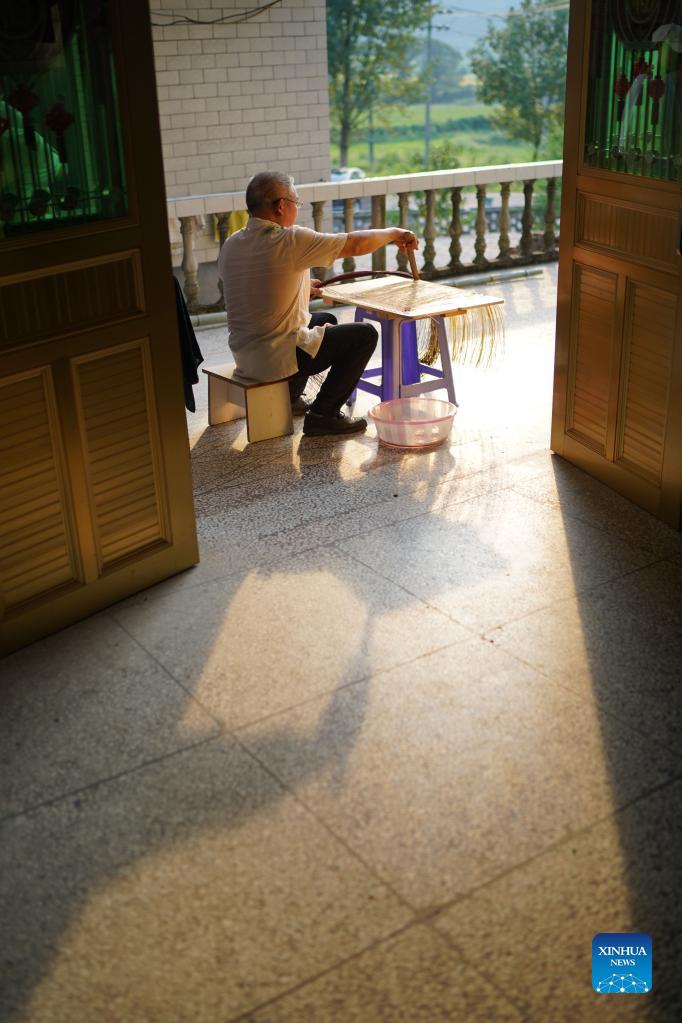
(480, 200)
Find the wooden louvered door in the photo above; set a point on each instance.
(618, 368)
(95, 487)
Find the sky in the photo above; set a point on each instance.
(461, 29)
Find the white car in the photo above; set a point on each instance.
(362, 214)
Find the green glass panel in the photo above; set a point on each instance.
(61, 155)
(634, 107)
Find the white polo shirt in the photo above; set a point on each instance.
(265, 270)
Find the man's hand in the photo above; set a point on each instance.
(315, 286)
(406, 240)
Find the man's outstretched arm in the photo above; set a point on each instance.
(361, 243)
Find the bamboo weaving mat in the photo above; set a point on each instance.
(411, 300)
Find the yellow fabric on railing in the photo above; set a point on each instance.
(235, 222)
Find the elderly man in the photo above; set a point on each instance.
(265, 270)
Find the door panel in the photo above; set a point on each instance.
(115, 402)
(40, 305)
(37, 550)
(97, 499)
(618, 363)
(625, 229)
(646, 374)
(593, 316)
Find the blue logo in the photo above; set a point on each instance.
(621, 964)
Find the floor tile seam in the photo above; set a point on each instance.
(266, 538)
(495, 465)
(231, 483)
(329, 829)
(200, 491)
(560, 682)
(474, 630)
(575, 596)
(227, 573)
(431, 914)
(401, 586)
(362, 530)
(100, 782)
(364, 680)
(169, 674)
(476, 968)
(422, 513)
(507, 621)
(657, 560)
(327, 971)
(383, 500)
(592, 524)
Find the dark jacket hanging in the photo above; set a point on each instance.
(190, 352)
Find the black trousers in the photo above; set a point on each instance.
(345, 351)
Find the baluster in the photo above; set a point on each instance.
(189, 263)
(481, 227)
(549, 237)
(223, 219)
(320, 272)
(505, 223)
(378, 221)
(318, 215)
(429, 231)
(456, 229)
(527, 221)
(403, 207)
(348, 214)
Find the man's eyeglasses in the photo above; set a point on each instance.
(283, 198)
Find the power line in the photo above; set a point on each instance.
(235, 17)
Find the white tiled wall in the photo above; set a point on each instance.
(237, 98)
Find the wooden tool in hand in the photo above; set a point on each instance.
(413, 264)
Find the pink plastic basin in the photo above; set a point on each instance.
(413, 422)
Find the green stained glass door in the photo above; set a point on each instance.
(61, 154)
(634, 100)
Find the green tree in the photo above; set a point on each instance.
(367, 49)
(447, 67)
(521, 68)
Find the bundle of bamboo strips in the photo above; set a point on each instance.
(476, 337)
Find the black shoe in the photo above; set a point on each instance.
(299, 406)
(319, 426)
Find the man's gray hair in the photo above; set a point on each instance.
(264, 187)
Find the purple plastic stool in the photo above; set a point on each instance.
(411, 366)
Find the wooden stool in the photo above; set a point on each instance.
(267, 407)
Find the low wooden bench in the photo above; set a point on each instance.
(267, 407)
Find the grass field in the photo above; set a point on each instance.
(461, 135)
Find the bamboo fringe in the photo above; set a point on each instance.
(427, 342)
(476, 337)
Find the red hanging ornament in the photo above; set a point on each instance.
(641, 67)
(655, 90)
(23, 100)
(58, 120)
(621, 89)
(39, 203)
(70, 200)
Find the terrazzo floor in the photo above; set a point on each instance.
(406, 739)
